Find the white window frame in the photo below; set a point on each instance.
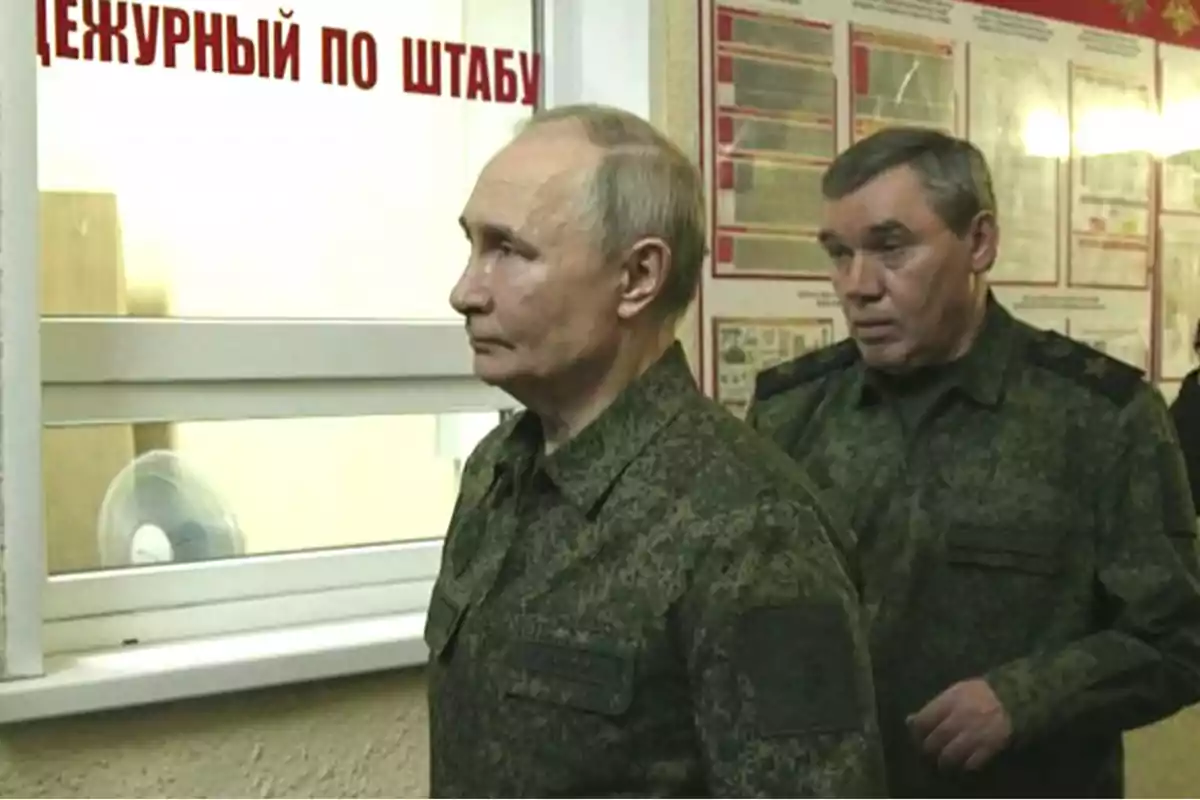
(92, 641)
(239, 370)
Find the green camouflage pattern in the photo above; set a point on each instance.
(1023, 516)
(658, 608)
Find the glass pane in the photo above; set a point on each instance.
(901, 79)
(204, 490)
(172, 191)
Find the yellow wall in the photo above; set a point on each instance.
(359, 737)
(1164, 759)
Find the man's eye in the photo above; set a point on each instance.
(506, 248)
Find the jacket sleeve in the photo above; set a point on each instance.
(784, 418)
(1185, 413)
(778, 665)
(753, 416)
(1145, 664)
(771, 417)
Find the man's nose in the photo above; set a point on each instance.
(863, 281)
(470, 294)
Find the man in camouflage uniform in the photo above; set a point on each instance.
(1026, 535)
(638, 595)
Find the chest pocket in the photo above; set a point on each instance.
(1028, 528)
(562, 665)
(1032, 550)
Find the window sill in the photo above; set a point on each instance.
(154, 673)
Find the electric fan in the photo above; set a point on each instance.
(159, 510)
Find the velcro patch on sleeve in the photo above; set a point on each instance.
(800, 671)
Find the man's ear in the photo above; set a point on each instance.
(984, 241)
(644, 274)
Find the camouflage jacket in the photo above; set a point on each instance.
(657, 608)
(1025, 518)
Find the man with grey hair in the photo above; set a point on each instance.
(638, 596)
(1026, 534)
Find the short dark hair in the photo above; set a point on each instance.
(952, 171)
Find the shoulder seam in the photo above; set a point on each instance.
(804, 369)
(1085, 366)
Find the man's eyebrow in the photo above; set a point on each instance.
(888, 227)
(882, 230)
(492, 230)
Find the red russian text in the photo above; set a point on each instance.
(346, 58)
(159, 32)
(470, 71)
(274, 52)
(531, 77)
(124, 31)
(104, 25)
(506, 79)
(43, 44)
(423, 66)
(479, 79)
(145, 32)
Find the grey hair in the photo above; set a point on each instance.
(643, 186)
(953, 172)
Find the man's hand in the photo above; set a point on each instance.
(964, 726)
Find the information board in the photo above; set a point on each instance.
(1088, 113)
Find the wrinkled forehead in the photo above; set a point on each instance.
(894, 198)
(535, 183)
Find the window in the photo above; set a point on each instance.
(184, 193)
(189, 219)
(253, 487)
(334, 476)
(243, 287)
